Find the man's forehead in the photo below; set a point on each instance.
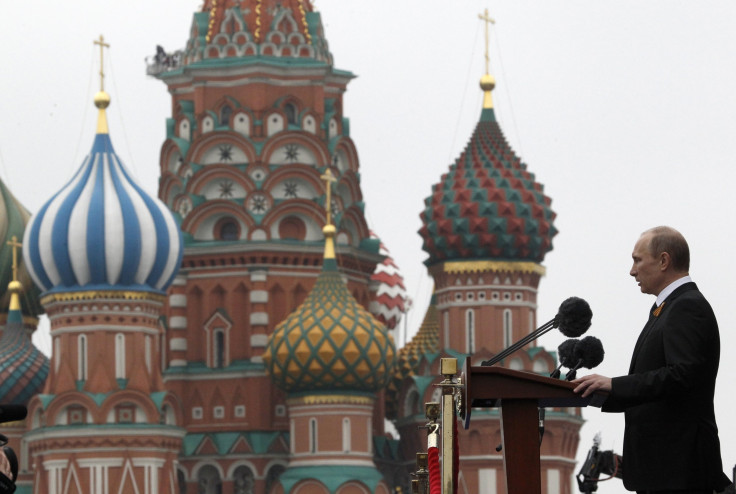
(643, 243)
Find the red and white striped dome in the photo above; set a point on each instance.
(389, 302)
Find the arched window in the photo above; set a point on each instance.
(209, 480)
(507, 333)
(57, 355)
(292, 436)
(312, 435)
(411, 403)
(273, 475)
(147, 349)
(218, 355)
(182, 480)
(290, 110)
(346, 435)
(82, 357)
(446, 329)
(119, 356)
(229, 230)
(225, 114)
(243, 480)
(470, 330)
(531, 321)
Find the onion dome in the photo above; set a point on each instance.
(425, 343)
(23, 367)
(388, 304)
(102, 231)
(13, 220)
(488, 206)
(330, 342)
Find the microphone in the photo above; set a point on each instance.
(588, 353)
(11, 413)
(565, 352)
(573, 319)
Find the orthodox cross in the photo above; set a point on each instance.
(486, 20)
(103, 45)
(13, 242)
(328, 177)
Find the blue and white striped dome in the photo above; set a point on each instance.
(103, 232)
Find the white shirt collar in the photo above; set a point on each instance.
(671, 288)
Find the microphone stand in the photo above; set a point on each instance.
(574, 370)
(545, 328)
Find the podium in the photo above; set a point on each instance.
(519, 395)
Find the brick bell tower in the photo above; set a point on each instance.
(486, 226)
(103, 253)
(257, 116)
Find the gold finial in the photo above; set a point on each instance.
(102, 99)
(487, 82)
(13, 242)
(328, 178)
(329, 229)
(15, 286)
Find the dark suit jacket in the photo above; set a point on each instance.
(671, 437)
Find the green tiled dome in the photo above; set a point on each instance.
(330, 343)
(13, 220)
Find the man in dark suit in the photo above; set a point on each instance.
(671, 439)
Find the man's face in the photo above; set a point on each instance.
(646, 268)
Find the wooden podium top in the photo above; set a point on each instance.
(484, 386)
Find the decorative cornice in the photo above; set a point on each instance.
(101, 294)
(503, 266)
(330, 399)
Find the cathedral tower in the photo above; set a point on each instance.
(103, 253)
(486, 226)
(257, 117)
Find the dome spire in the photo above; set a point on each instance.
(487, 82)
(102, 99)
(15, 287)
(329, 228)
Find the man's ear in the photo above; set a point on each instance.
(664, 261)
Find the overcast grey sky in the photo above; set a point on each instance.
(625, 111)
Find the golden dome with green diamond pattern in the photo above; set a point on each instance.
(330, 342)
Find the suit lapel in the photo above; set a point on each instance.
(654, 318)
(643, 336)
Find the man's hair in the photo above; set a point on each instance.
(667, 239)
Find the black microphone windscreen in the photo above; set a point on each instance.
(590, 349)
(573, 318)
(11, 413)
(566, 352)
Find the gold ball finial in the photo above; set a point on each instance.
(487, 82)
(15, 286)
(102, 100)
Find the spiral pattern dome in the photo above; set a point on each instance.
(23, 367)
(488, 206)
(102, 231)
(330, 342)
(389, 295)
